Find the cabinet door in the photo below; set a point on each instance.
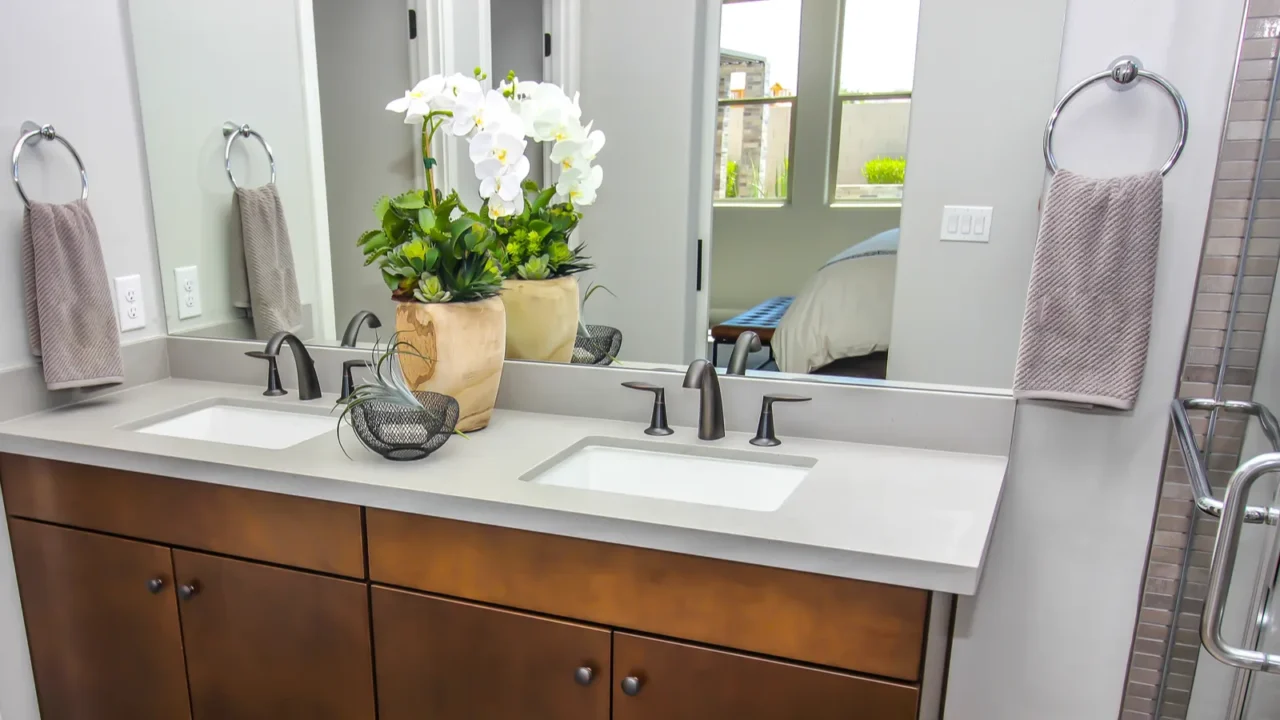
(265, 642)
(104, 636)
(449, 660)
(659, 679)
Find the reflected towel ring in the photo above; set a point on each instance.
(233, 131)
(32, 134)
(1123, 75)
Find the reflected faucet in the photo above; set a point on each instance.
(308, 383)
(701, 376)
(747, 343)
(352, 333)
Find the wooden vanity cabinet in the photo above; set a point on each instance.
(656, 679)
(102, 624)
(452, 660)
(265, 643)
(148, 597)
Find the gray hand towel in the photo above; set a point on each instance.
(268, 262)
(71, 323)
(1088, 316)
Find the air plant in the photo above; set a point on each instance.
(583, 332)
(388, 384)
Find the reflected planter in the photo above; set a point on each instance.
(542, 318)
(466, 343)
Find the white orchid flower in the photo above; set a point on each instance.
(455, 85)
(416, 103)
(484, 111)
(549, 114)
(578, 150)
(503, 182)
(579, 185)
(501, 147)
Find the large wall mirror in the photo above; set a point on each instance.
(852, 183)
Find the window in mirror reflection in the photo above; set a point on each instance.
(759, 59)
(877, 64)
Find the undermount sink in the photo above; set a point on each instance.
(743, 480)
(246, 426)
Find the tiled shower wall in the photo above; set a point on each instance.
(1177, 521)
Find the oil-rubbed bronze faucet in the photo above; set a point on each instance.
(701, 376)
(308, 383)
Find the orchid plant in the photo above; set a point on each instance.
(431, 248)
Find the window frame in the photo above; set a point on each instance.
(837, 120)
(793, 101)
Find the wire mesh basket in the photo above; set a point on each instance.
(600, 348)
(397, 432)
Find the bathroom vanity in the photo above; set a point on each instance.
(169, 577)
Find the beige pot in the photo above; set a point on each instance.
(467, 342)
(542, 318)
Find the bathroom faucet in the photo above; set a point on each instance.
(701, 376)
(352, 333)
(308, 383)
(747, 343)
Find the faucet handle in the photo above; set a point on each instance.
(657, 423)
(273, 372)
(348, 383)
(765, 436)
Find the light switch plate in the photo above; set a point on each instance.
(187, 289)
(130, 308)
(966, 223)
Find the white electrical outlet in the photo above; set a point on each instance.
(130, 307)
(966, 224)
(187, 289)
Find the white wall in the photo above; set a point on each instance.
(976, 122)
(1048, 634)
(362, 50)
(67, 63)
(641, 230)
(200, 65)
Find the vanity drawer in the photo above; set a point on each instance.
(300, 532)
(850, 624)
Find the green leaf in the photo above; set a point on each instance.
(392, 281)
(374, 240)
(381, 207)
(428, 163)
(432, 257)
(409, 201)
(542, 227)
(366, 236)
(460, 226)
(373, 257)
(543, 198)
(426, 218)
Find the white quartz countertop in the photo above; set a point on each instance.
(902, 516)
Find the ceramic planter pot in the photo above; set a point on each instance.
(467, 342)
(542, 318)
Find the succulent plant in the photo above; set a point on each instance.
(538, 237)
(437, 253)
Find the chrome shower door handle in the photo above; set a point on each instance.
(1222, 564)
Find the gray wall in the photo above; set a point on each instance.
(641, 231)
(517, 45)
(85, 88)
(1048, 634)
(976, 124)
(362, 52)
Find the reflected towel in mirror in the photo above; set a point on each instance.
(263, 274)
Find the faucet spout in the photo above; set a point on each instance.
(701, 376)
(308, 381)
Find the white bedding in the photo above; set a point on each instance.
(843, 311)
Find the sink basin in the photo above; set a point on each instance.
(723, 477)
(241, 425)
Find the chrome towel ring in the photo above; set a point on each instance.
(1123, 75)
(233, 131)
(32, 134)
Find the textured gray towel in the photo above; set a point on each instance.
(268, 262)
(1088, 317)
(71, 324)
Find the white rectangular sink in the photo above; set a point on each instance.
(244, 426)
(742, 480)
